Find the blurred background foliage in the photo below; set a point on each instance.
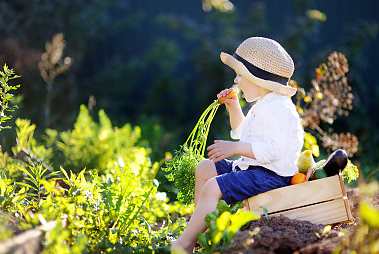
(156, 64)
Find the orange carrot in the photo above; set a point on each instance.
(229, 96)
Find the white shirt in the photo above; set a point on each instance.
(272, 127)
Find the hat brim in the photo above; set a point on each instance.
(240, 69)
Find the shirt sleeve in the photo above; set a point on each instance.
(236, 133)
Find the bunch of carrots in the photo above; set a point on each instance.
(181, 168)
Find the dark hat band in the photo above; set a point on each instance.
(262, 74)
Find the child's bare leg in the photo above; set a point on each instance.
(209, 198)
(205, 170)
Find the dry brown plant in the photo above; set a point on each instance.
(329, 97)
(51, 65)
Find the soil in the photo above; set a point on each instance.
(281, 235)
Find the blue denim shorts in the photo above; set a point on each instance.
(242, 184)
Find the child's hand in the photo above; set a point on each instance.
(221, 149)
(232, 102)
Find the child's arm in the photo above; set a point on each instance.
(222, 149)
(235, 112)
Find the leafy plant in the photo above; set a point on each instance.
(265, 213)
(56, 241)
(5, 231)
(222, 225)
(106, 211)
(10, 198)
(364, 239)
(6, 95)
(182, 167)
(351, 172)
(99, 145)
(28, 150)
(36, 175)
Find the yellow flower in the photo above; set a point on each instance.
(293, 83)
(315, 150)
(307, 99)
(299, 110)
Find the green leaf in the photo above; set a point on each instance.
(210, 217)
(26, 172)
(222, 206)
(202, 240)
(66, 175)
(236, 206)
(265, 212)
(26, 185)
(49, 185)
(370, 215)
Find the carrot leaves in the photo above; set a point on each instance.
(182, 166)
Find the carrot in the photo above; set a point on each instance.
(229, 96)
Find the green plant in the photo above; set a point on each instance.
(5, 231)
(351, 172)
(265, 212)
(106, 211)
(103, 212)
(222, 225)
(182, 167)
(55, 241)
(10, 198)
(99, 146)
(36, 176)
(6, 94)
(364, 239)
(27, 149)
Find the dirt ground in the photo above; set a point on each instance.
(282, 235)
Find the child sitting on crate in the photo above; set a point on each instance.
(270, 135)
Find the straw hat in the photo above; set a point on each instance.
(264, 62)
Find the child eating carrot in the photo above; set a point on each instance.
(270, 135)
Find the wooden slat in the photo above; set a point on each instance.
(323, 213)
(297, 195)
(347, 206)
(246, 205)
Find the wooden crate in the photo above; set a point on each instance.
(322, 201)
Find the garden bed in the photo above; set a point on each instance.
(29, 241)
(279, 234)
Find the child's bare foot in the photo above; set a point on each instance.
(178, 247)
